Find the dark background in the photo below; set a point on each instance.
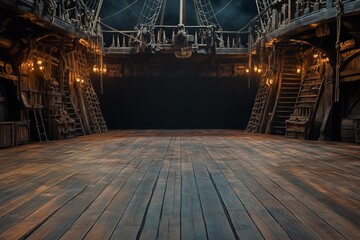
(180, 102)
(176, 103)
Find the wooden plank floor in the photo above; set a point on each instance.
(186, 184)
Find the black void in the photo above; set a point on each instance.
(176, 102)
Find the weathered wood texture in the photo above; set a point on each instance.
(198, 184)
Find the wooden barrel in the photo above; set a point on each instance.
(347, 131)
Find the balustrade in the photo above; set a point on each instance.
(166, 37)
(74, 12)
(284, 12)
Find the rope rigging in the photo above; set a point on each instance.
(223, 8)
(120, 11)
(151, 10)
(205, 13)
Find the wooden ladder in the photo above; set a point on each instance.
(257, 114)
(39, 124)
(289, 87)
(72, 112)
(300, 121)
(97, 119)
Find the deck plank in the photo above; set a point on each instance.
(180, 184)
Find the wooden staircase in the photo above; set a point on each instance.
(255, 124)
(72, 112)
(98, 122)
(289, 86)
(299, 123)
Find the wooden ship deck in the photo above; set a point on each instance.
(72, 179)
(186, 184)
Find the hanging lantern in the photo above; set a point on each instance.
(95, 69)
(39, 62)
(269, 81)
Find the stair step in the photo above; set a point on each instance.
(290, 88)
(289, 85)
(302, 101)
(310, 84)
(312, 77)
(308, 96)
(289, 93)
(285, 106)
(279, 127)
(283, 102)
(309, 90)
(282, 97)
(292, 74)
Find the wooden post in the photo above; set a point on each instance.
(290, 10)
(250, 56)
(101, 74)
(338, 54)
(275, 19)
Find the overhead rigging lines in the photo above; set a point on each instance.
(222, 8)
(205, 13)
(121, 10)
(92, 4)
(125, 33)
(132, 10)
(150, 12)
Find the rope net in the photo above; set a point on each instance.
(150, 12)
(205, 13)
(262, 5)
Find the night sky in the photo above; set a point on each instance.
(236, 15)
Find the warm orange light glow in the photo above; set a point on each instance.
(247, 70)
(298, 69)
(316, 55)
(255, 68)
(39, 62)
(77, 79)
(259, 70)
(269, 81)
(41, 68)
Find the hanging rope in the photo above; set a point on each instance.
(222, 8)
(132, 10)
(118, 31)
(337, 47)
(120, 11)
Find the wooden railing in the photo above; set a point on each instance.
(285, 12)
(75, 13)
(164, 38)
